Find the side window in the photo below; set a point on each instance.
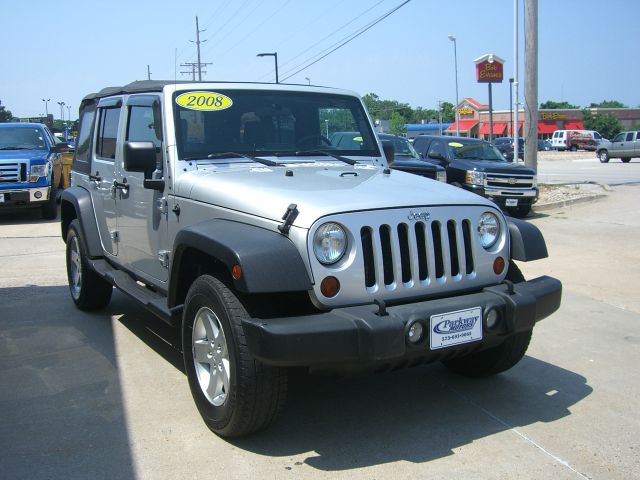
(145, 126)
(638, 136)
(630, 137)
(597, 136)
(108, 132)
(84, 135)
(619, 137)
(437, 147)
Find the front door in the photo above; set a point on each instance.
(142, 212)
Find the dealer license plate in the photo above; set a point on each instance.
(454, 328)
(512, 202)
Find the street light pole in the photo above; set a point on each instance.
(455, 59)
(61, 110)
(308, 80)
(46, 106)
(68, 113)
(511, 105)
(275, 56)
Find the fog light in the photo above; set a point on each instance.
(498, 265)
(416, 330)
(329, 287)
(38, 194)
(491, 319)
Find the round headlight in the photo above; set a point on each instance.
(329, 243)
(488, 229)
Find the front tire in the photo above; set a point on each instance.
(89, 291)
(626, 159)
(235, 394)
(603, 156)
(50, 209)
(496, 359)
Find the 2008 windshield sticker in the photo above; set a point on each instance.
(207, 101)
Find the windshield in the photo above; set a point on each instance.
(402, 148)
(22, 138)
(475, 151)
(267, 123)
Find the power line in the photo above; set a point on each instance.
(353, 37)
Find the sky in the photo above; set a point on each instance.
(64, 50)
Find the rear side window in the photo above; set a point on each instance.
(421, 144)
(629, 137)
(108, 132)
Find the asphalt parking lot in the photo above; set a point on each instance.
(103, 395)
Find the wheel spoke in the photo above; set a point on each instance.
(201, 351)
(224, 374)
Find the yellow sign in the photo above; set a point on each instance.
(554, 116)
(455, 144)
(465, 111)
(357, 139)
(207, 101)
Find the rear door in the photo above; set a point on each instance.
(142, 212)
(636, 148)
(103, 190)
(623, 144)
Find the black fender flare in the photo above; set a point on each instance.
(75, 202)
(527, 242)
(269, 261)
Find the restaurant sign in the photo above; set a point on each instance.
(489, 69)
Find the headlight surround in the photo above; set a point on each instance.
(441, 176)
(488, 229)
(329, 243)
(474, 177)
(38, 171)
(535, 181)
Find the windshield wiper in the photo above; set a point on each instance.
(16, 148)
(302, 153)
(263, 161)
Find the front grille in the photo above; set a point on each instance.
(508, 180)
(417, 254)
(13, 172)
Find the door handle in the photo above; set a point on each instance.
(96, 177)
(121, 185)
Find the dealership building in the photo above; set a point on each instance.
(474, 120)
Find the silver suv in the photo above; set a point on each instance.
(226, 210)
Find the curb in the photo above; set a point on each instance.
(565, 203)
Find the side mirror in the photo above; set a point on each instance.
(60, 147)
(389, 152)
(141, 157)
(436, 156)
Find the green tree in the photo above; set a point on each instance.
(397, 124)
(448, 112)
(5, 115)
(607, 124)
(608, 104)
(549, 104)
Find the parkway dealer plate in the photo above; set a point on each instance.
(454, 328)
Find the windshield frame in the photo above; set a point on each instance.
(290, 102)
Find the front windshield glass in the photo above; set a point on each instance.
(263, 122)
(22, 138)
(475, 151)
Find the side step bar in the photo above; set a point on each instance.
(155, 302)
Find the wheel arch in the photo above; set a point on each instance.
(75, 203)
(527, 242)
(269, 261)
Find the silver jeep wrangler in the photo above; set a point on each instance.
(225, 209)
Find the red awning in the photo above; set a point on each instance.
(465, 125)
(546, 127)
(498, 128)
(574, 125)
(510, 131)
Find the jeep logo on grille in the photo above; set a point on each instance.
(424, 216)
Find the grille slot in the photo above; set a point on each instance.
(13, 172)
(417, 255)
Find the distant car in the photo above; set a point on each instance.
(625, 146)
(544, 145)
(477, 165)
(575, 139)
(505, 147)
(406, 159)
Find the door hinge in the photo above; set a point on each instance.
(115, 236)
(163, 206)
(163, 258)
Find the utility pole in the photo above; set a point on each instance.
(515, 131)
(440, 117)
(198, 42)
(531, 83)
(148, 73)
(192, 71)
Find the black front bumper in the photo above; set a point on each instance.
(361, 335)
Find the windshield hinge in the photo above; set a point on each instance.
(289, 217)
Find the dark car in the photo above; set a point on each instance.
(544, 145)
(407, 159)
(505, 146)
(477, 165)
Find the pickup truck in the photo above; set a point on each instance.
(28, 153)
(625, 146)
(478, 166)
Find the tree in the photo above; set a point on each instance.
(5, 115)
(448, 112)
(607, 124)
(549, 104)
(397, 124)
(608, 104)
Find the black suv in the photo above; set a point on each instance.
(505, 147)
(406, 159)
(477, 166)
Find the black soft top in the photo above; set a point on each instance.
(138, 86)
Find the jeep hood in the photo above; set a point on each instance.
(317, 190)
